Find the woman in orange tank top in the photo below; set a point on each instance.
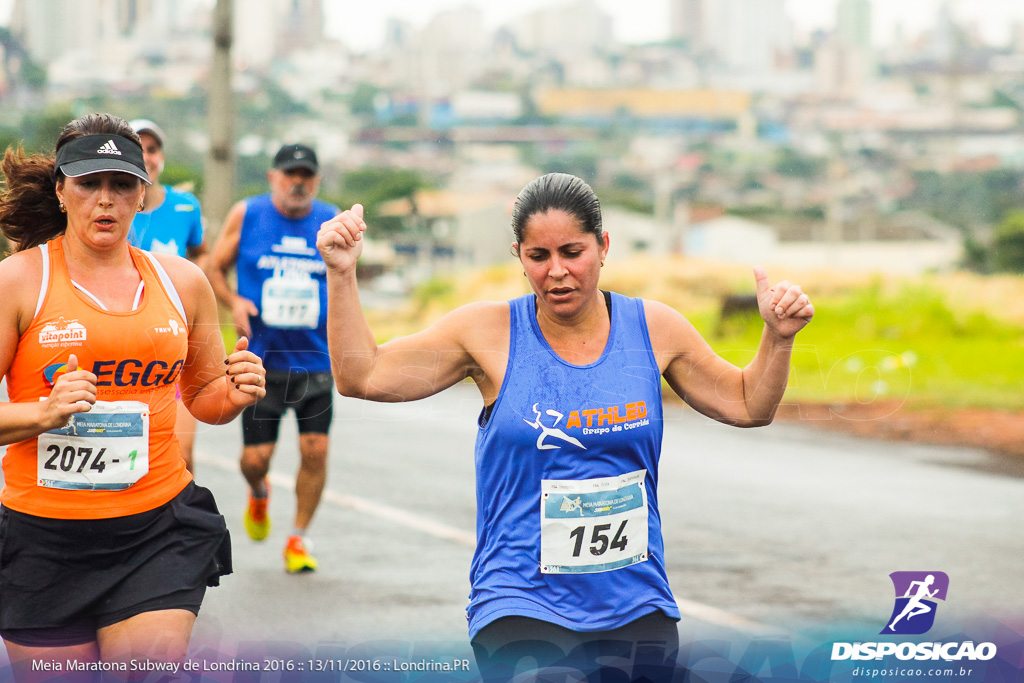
(94, 334)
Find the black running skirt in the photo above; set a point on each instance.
(62, 579)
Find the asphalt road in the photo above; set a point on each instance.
(783, 530)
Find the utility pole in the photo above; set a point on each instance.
(219, 192)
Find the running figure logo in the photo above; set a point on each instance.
(571, 504)
(916, 593)
(551, 431)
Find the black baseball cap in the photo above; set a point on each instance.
(99, 153)
(292, 157)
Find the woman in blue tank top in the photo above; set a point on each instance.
(569, 563)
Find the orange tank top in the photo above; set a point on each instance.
(121, 457)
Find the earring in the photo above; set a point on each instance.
(142, 205)
(602, 264)
(63, 209)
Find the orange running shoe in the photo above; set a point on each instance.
(257, 521)
(296, 556)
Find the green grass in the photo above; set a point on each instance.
(937, 341)
(907, 345)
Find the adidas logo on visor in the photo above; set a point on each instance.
(109, 148)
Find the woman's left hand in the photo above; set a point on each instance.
(247, 378)
(784, 307)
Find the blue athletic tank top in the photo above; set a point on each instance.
(170, 228)
(568, 529)
(281, 271)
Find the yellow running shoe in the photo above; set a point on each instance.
(297, 558)
(257, 521)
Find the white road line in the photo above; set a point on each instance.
(392, 514)
(706, 613)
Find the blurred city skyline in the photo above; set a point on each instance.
(798, 130)
(363, 26)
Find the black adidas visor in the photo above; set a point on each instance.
(99, 153)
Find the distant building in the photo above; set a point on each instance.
(853, 23)
(452, 229)
(275, 28)
(634, 233)
(842, 70)
(686, 20)
(730, 238)
(945, 39)
(301, 26)
(484, 107)
(749, 36)
(51, 29)
(904, 243)
(568, 29)
(644, 103)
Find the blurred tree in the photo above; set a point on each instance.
(373, 186)
(965, 199)
(582, 164)
(9, 137)
(28, 72)
(977, 256)
(32, 75)
(1008, 243)
(251, 175)
(629, 191)
(795, 165)
(178, 175)
(40, 131)
(363, 99)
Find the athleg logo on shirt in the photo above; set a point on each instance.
(109, 148)
(551, 431)
(913, 590)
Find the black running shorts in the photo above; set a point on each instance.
(62, 579)
(643, 649)
(309, 394)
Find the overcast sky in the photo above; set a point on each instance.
(360, 23)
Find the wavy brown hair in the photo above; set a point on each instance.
(29, 211)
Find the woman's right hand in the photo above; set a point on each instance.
(340, 239)
(73, 392)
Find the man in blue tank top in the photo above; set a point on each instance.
(281, 305)
(169, 223)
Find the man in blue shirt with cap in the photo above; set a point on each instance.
(170, 223)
